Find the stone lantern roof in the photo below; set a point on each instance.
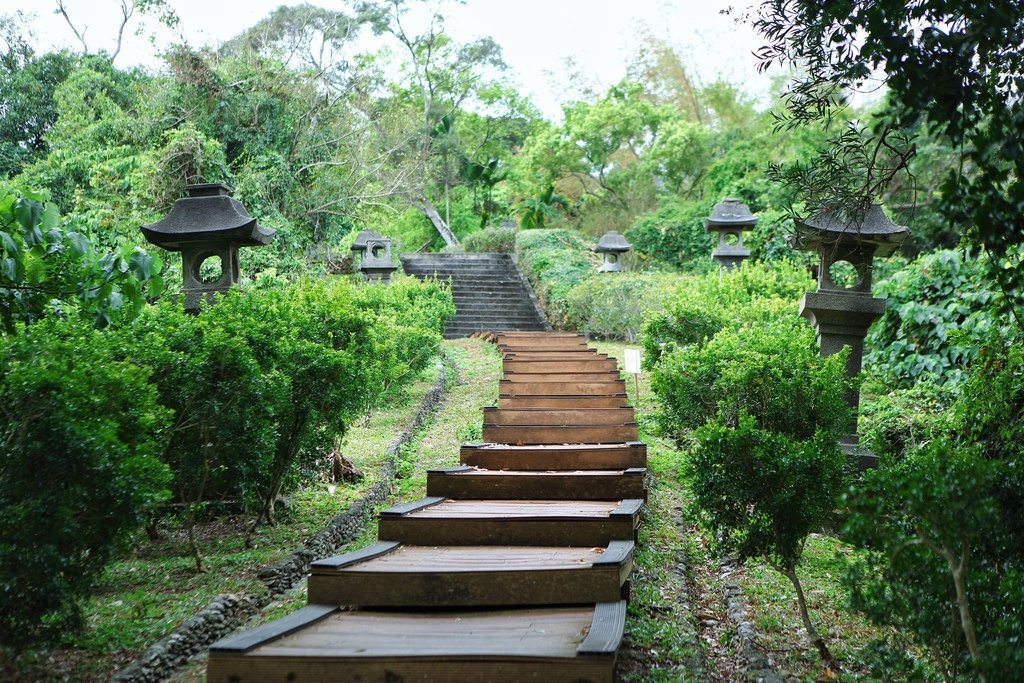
(612, 243)
(730, 214)
(207, 214)
(364, 236)
(831, 228)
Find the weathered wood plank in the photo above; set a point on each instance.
(554, 457)
(563, 402)
(558, 416)
(567, 523)
(609, 386)
(574, 377)
(551, 485)
(479, 646)
(585, 434)
(466, 576)
(588, 365)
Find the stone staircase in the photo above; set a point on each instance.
(490, 293)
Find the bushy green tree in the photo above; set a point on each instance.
(763, 412)
(79, 470)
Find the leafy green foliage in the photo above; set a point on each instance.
(952, 68)
(78, 469)
(48, 266)
(768, 369)
(614, 305)
(942, 527)
(554, 261)
(674, 233)
(702, 305)
(491, 240)
(940, 311)
(763, 412)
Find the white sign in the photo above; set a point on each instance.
(632, 361)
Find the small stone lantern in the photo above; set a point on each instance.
(359, 246)
(842, 315)
(207, 227)
(729, 219)
(376, 264)
(612, 246)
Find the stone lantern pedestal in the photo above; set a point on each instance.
(729, 219)
(842, 314)
(612, 246)
(208, 226)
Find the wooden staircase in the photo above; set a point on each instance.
(516, 565)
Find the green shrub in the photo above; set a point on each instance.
(766, 412)
(674, 233)
(770, 370)
(491, 241)
(702, 305)
(940, 310)
(614, 305)
(895, 422)
(943, 531)
(78, 469)
(555, 261)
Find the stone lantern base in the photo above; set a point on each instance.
(381, 273)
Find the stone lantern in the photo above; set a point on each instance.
(376, 264)
(729, 219)
(842, 315)
(359, 246)
(612, 246)
(207, 227)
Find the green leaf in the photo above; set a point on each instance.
(79, 243)
(140, 264)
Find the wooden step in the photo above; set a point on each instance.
(443, 521)
(390, 574)
(467, 482)
(574, 377)
(607, 386)
(563, 402)
(553, 355)
(558, 417)
(560, 366)
(554, 457)
(568, 434)
(327, 643)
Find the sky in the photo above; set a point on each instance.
(537, 36)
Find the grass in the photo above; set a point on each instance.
(148, 593)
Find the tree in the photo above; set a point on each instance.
(442, 77)
(953, 68)
(165, 14)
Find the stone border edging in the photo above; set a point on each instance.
(759, 666)
(228, 612)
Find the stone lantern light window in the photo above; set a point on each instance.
(376, 264)
(207, 226)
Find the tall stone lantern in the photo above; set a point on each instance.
(207, 226)
(612, 246)
(359, 245)
(841, 314)
(730, 218)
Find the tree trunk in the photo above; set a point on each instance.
(816, 639)
(424, 206)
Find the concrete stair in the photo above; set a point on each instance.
(490, 293)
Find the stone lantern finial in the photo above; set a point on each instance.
(612, 246)
(729, 219)
(842, 315)
(207, 227)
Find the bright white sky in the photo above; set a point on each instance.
(536, 35)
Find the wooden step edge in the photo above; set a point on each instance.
(606, 630)
(368, 553)
(628, 507)
(406, 508)
(279, 628)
